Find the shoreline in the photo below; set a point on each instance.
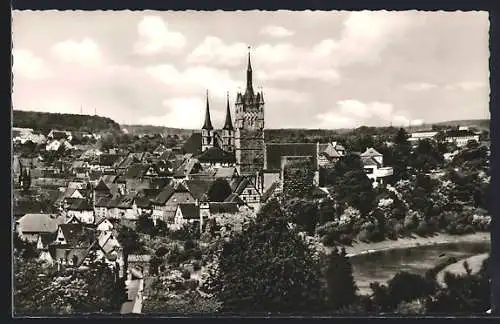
(408, 242)
(475, 262)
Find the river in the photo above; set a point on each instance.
(383, 265)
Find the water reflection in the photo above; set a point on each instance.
(382, 266)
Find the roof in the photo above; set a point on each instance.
(199, 187)
(370, 152)
(274, 152)
(167, 156)
(223, 208)
(77, 235)
(192, 144)
(369, 161)
(228, 124)
(107, 159)
(48, 238)
(39, 223)
(216, 155)
(139, 258)
(459, 133)
(164, 195)
(137, 170)
(78, 204)
(126, 201)
(109, 178)
(270, 191)
(331, 151)
(234, 198)
(189, 211)
(225, 172)
(208, 122)
(58, 134)
(101, 186)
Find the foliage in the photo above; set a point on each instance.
(401, 155)
(279, 275)
(426, 156)
(341, 288)
(302, 212)
(355, 189)
(298, 179)
(69, 292)
(44, 122)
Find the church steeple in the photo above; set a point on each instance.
(249, 89)
(208, 122)
(228, 125)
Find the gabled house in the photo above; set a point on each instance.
(31, 226)
(165, 204)
(247, 191)
(216, 157)
(143, 201)
(81, 209)
(136, 177)
(187, 213)
(329, 154)
(58, 135)
(373, 164)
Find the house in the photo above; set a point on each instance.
(373, 164)
(55, 145)
(216, 157)
(226, 173)
(58, 135)
(329, 153)
(31, 226)
(101, 205)
(165, 204)
(104, 225)
(420, 135)
(270, 192)
(187, 168)
(142, 202)
(135, 176)
(460, 136)
(139, 262)
(80, 209)
(247, 191)
(187, 213)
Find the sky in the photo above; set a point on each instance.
(316, 69)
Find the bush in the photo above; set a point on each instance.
(196, 265)
(161, 251)
(345, 239)
(422, 228)
(469, 229)
(186, 274)
(328, 239)
(192, 284)
(189, 245)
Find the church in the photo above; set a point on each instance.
(241, 144)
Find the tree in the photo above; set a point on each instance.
(145, 224)
(355, 189)
(302, 212)
(401, 155)
(279, 276)
(426, 156)
(326, 211)
(129, 240)
(298, 179)
(341, 288)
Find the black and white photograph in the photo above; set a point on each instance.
(252, 163)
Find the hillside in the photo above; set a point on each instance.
(44, 122)
(148, 129)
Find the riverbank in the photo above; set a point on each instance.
(359, 248)
(475, 262)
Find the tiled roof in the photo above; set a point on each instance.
(193, 144)
(77, 235)
(114, 202)
(136, 171)
(198, 187)
(369, 161)
(234, 198)
(78, 204)
(270, 191)
(101, 186)
(370, 152)
(330, 151)
(48, 238)
(167, 156)
(459, 133)
(126, 201)
(216, 155)
(39, 223)
(106, 159)
(109, 178)
(164, 195)
(189, 211)
(225, 172)
(223, 208)
(274, 153)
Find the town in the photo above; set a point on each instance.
(128, 223)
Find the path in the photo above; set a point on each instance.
(134, 303)
(475, 262)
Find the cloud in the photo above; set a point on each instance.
(276, 31)
(218, 82)
(400, 120)
(362, 110)
(332, 120)
(155, 37)
(85, 52)
(367, 33)
(186, 112)
(214, 50)
(29, 66)
(467, 86)
(285, 95)
(422, 86)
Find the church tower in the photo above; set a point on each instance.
(228, 130)
(249, 134)
(207, 131)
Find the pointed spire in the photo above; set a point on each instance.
(228, 125)
(249, 75)
(208, 122)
